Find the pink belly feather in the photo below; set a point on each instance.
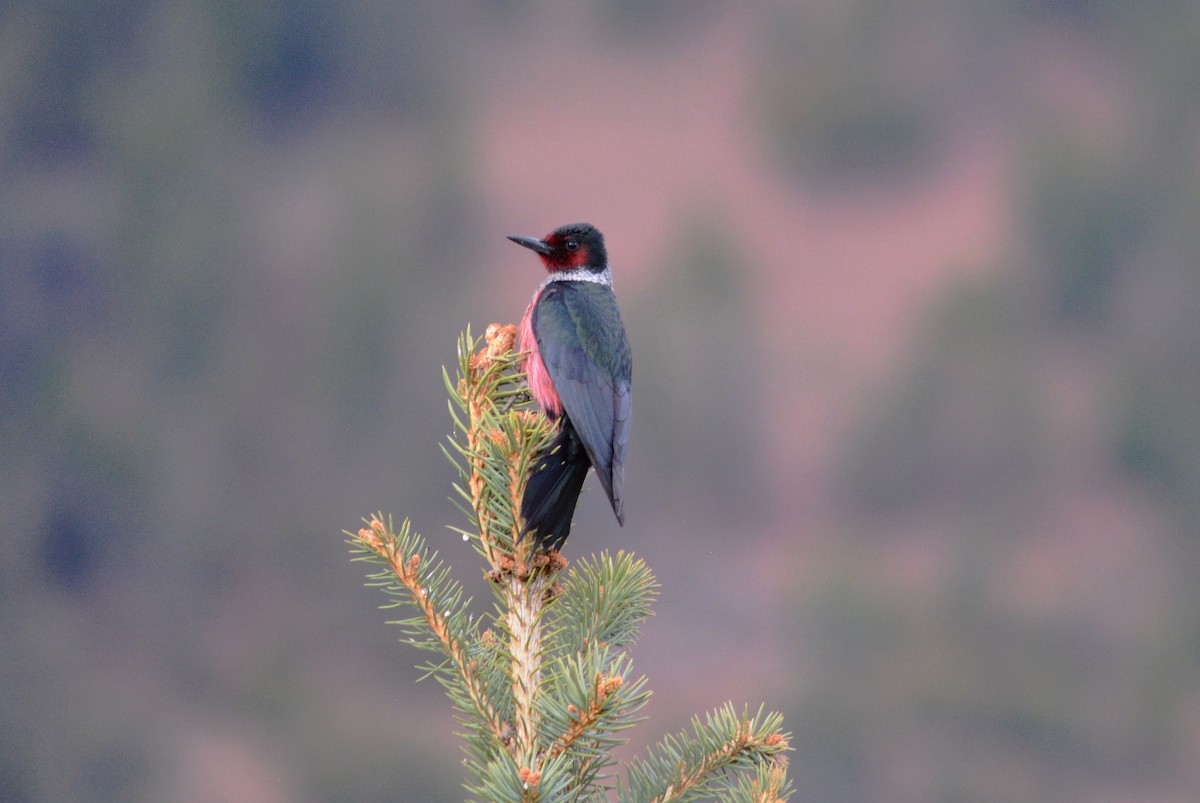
(535, 370)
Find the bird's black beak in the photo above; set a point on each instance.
(533, 243)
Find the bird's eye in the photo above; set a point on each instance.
(572, 245)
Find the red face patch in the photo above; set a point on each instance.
(569, 253)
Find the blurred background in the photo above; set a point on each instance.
(912, 290)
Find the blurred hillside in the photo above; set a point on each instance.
(912, 293)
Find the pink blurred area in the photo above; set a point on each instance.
(910, 290)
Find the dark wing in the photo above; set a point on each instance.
(582, 343)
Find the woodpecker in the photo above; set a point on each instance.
(578, 368)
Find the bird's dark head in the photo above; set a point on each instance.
(579, 246)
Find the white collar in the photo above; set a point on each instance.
(604, 277)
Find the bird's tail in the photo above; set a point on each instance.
(553, 488)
